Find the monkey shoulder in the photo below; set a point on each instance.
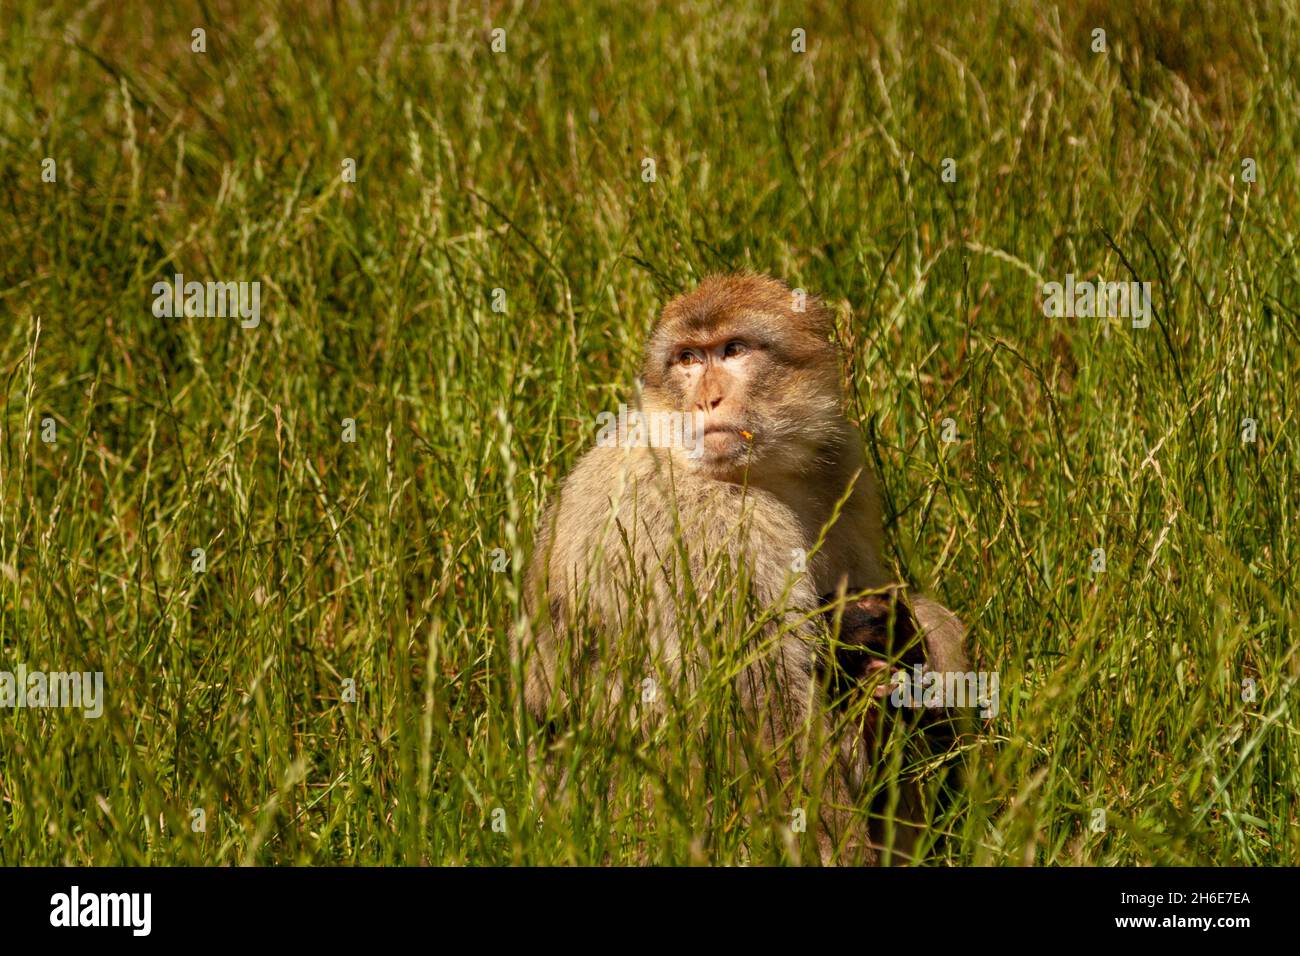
(597, 497)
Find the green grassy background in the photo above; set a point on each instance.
(372, 560)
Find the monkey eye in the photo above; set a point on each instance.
(733, 348)
(687, 357)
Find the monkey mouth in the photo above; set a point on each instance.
(726, 441)
(722, 428)
(723, 448)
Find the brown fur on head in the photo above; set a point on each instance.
(763, 374)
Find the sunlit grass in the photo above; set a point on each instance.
(372, 561)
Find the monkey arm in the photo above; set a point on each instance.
(573, 597)
(944, 633)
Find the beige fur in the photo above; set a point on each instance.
(632, 528)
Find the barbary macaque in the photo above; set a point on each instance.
(774, 498)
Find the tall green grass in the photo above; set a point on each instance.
(372, 561)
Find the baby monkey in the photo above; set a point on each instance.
(774, 497)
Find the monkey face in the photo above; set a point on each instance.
(759, 377)
(711, 378)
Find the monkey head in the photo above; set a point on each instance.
(753, 362)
